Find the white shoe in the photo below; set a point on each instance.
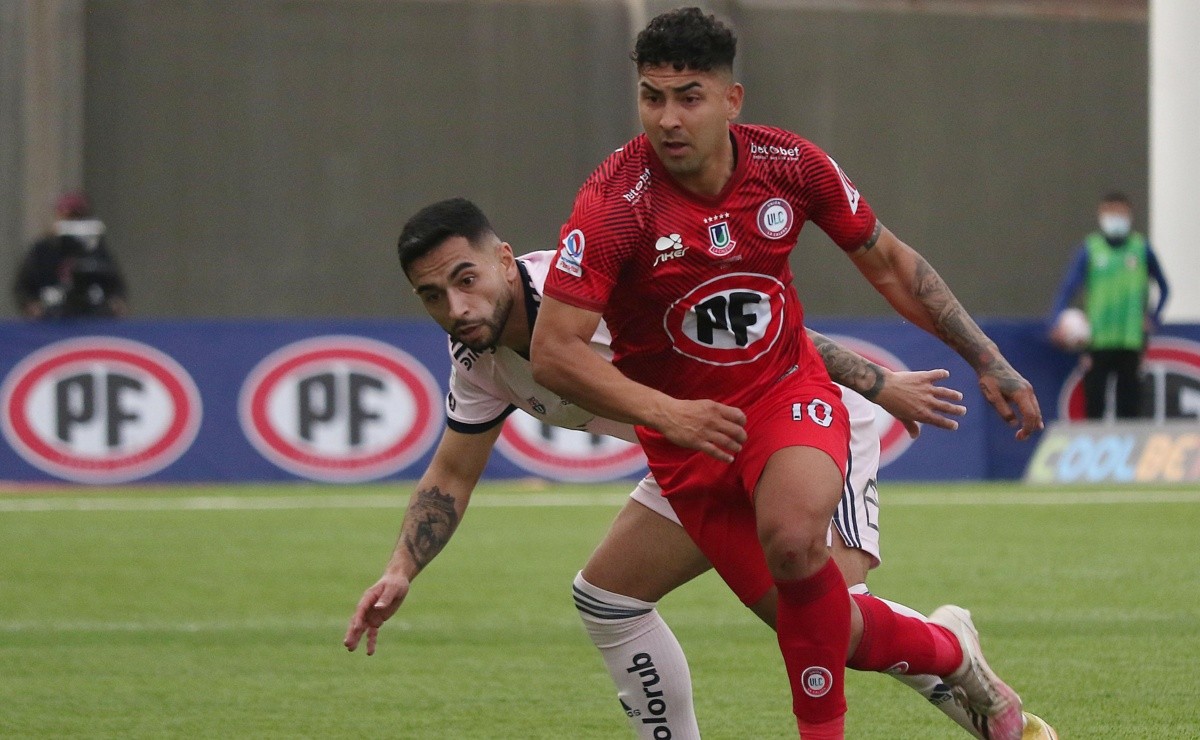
(1037, 728)
(975, 685)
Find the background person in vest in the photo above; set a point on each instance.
(70, 272)
(1114, 266)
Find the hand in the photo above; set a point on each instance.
(1004, 388)
(915, 398)
(713, 428)
(377, 605)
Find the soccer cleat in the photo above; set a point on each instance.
(974, 684)
(1037, 728)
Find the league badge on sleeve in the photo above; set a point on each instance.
(570, 257)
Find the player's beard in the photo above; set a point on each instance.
(493, 327)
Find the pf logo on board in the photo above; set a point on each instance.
(100, 410)
(1169, 380)
(568, 454)
(340, 409)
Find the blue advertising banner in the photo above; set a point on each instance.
(362, 400)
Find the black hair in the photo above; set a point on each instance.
(1116, 196)
(685, 38)
(437, 222)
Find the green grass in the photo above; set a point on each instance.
(228, 623)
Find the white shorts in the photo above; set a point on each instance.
(857, 517)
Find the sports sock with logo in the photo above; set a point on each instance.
(935, 691)
(644, 659)
(813, 625)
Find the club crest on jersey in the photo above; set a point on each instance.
(570, 258)
(851, 192)
(668, 247)
(722, 243)
(775, 218)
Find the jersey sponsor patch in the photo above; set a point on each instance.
(728, 320)
(570, 259)
(669, 247)
(775, 218)
(851, 192)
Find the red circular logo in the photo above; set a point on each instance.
(1171, 379)
(100, 410)
(775, 218)
(817, 681)
(567, 454)
(893, 437)
(340, 409)
(728, 320)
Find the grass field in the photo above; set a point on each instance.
(219, 612)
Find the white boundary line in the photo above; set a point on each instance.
(550, 500)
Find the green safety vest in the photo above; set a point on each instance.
(1118, 286)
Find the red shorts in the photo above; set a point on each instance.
(715, 500)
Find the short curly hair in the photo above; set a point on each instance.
(685, 38)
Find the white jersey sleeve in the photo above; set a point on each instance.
(471, 409)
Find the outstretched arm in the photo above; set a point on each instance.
(914, 398)
(919, 294)
(434, 511)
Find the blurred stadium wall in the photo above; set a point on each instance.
(258, 158)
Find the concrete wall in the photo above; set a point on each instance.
(258, 159)
(41, 120)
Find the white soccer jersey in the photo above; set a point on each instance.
(486, 387)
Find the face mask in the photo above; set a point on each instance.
(1114, 226)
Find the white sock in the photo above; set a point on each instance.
(935, 691)
(644, 659)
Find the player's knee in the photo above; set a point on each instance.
(793, 552)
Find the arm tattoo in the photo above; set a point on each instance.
(428, 524)
(871, 240)
(956, 328)
(848, 368)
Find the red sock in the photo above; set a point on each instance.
(901, 644)
(834, 729)
(813, 625)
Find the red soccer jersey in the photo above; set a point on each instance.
(698, 291)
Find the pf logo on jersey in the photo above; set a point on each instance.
(340, 409)
(100, 410)
(728, 320)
